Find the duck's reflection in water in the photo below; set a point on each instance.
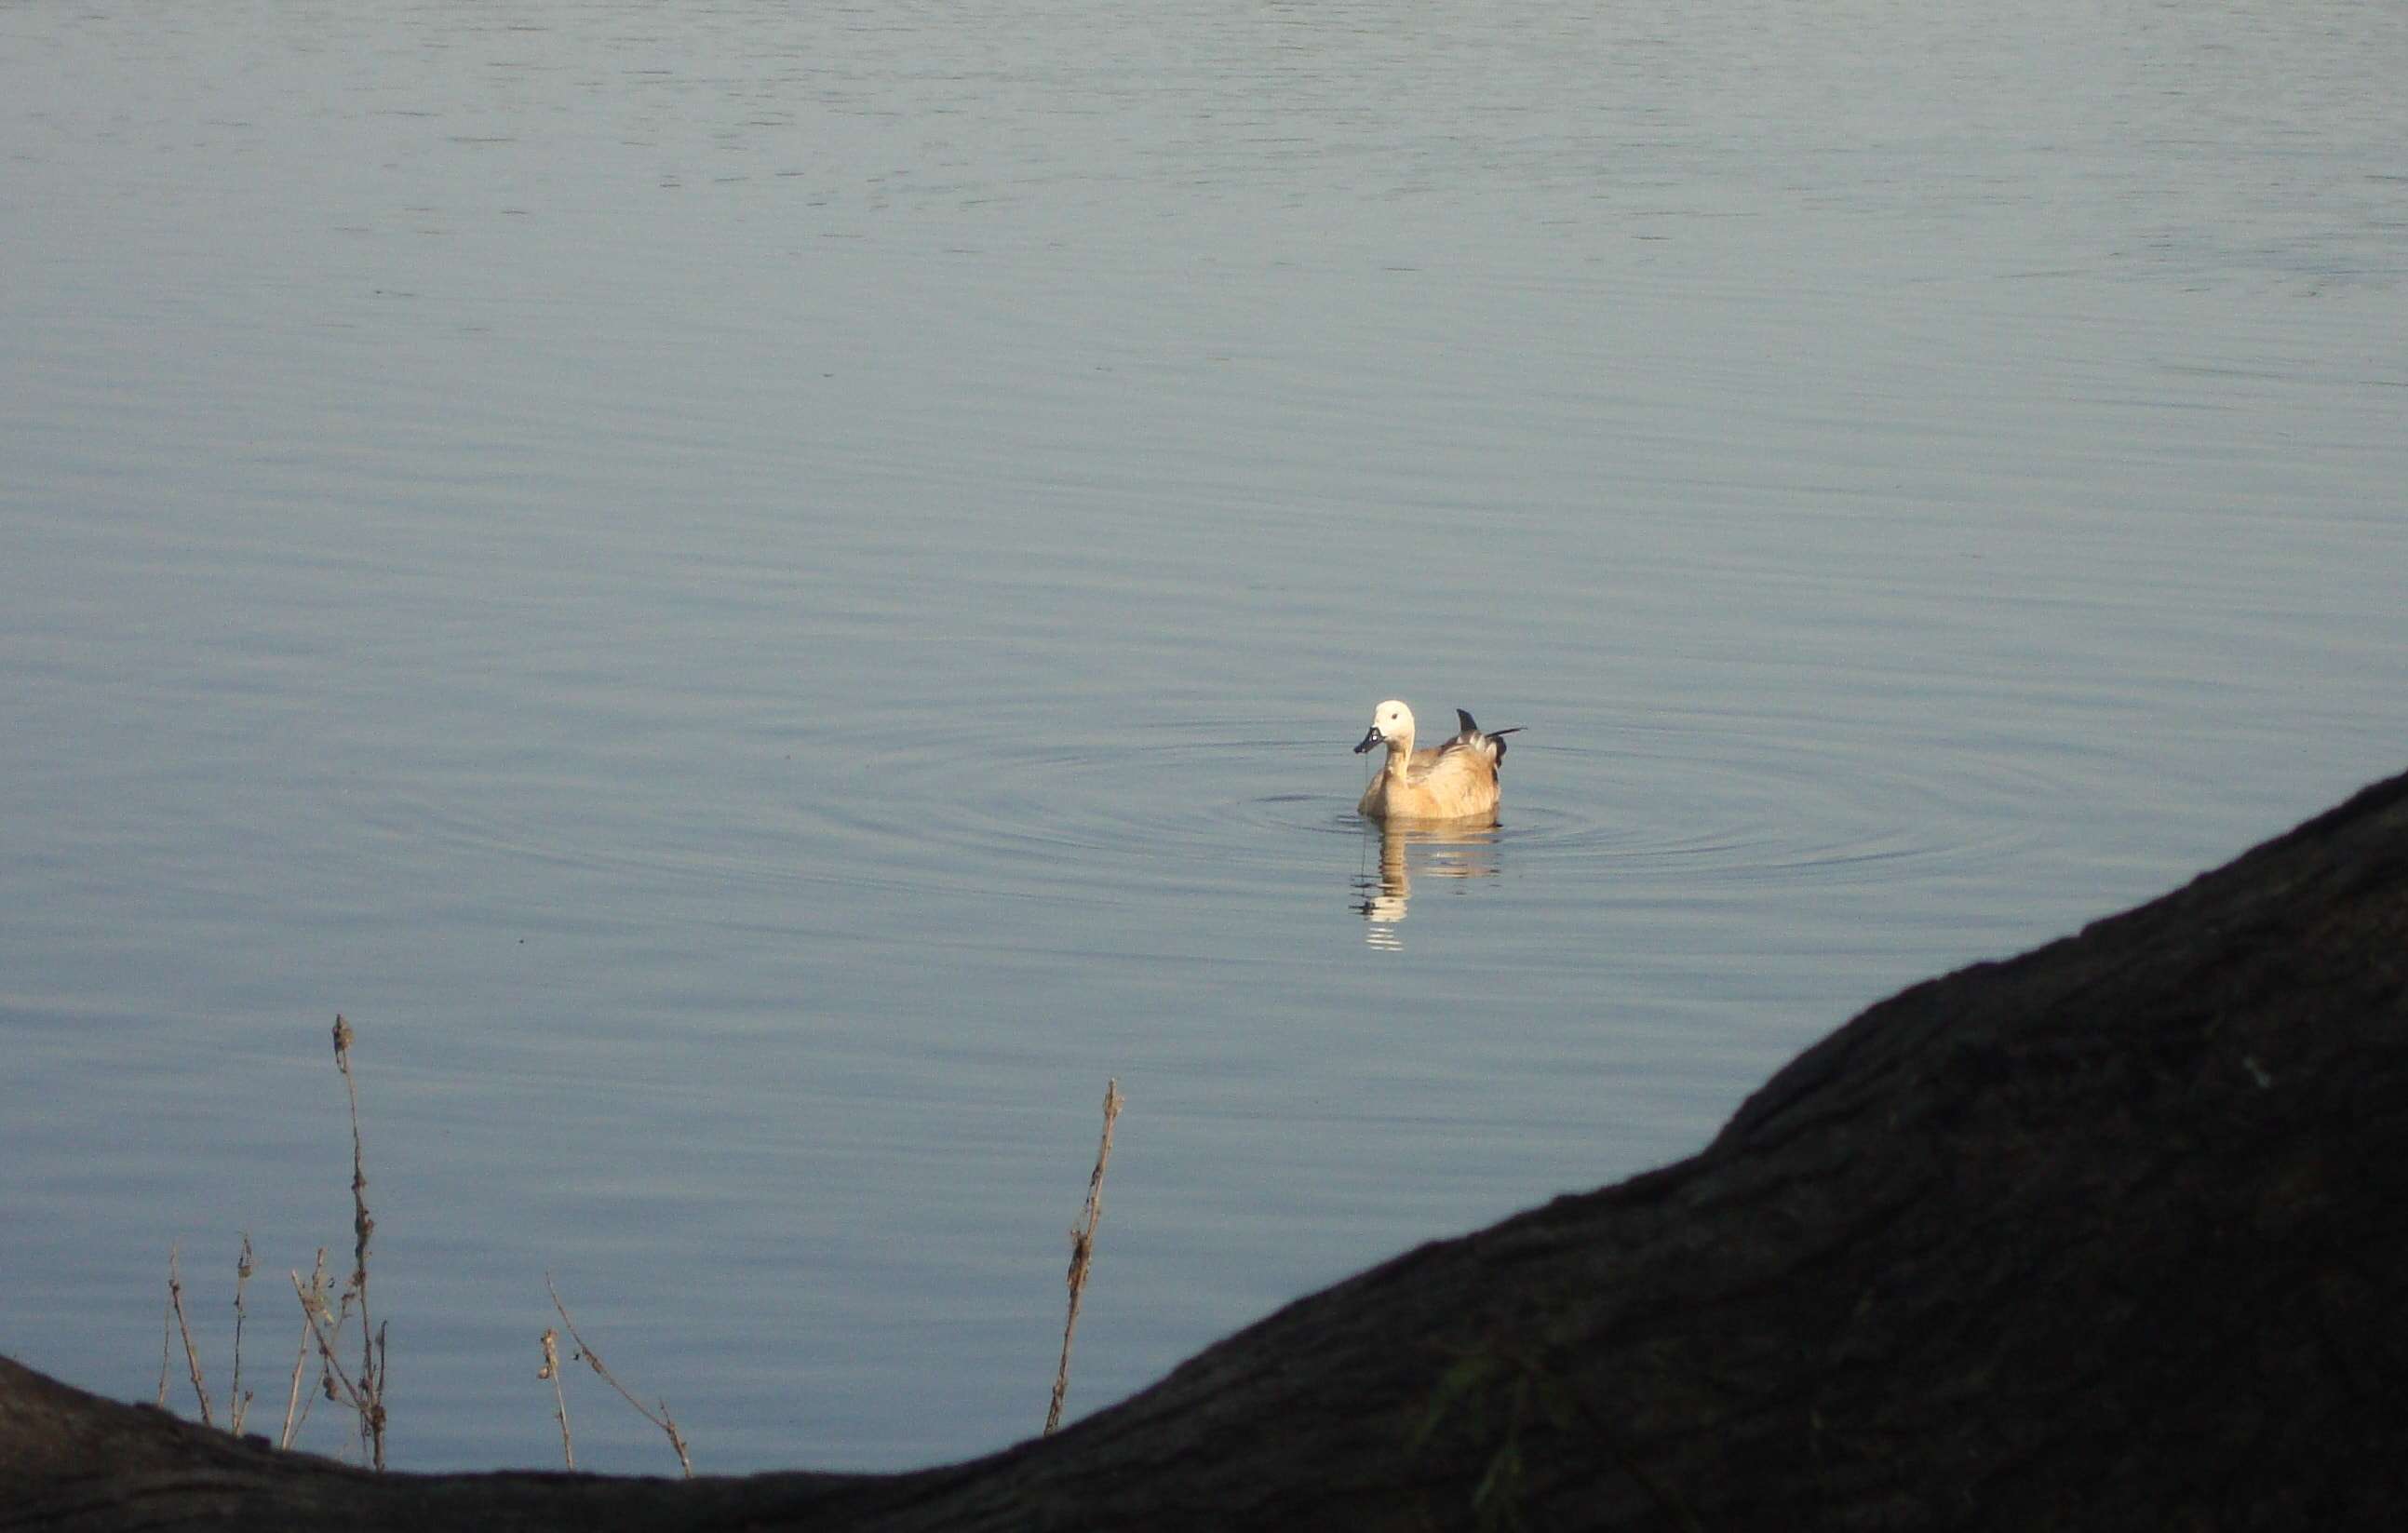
(1453, 848)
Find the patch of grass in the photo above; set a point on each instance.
(330, 1318)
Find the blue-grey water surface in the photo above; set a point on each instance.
(764, 596)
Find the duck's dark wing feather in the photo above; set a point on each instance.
(1471, 733)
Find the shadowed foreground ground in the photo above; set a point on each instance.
(2114, 1235)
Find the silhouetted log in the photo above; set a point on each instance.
(2111, 1236)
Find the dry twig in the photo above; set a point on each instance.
(296, 1409)
(332, 1373)
(551, 1370)
(192, 1355)
(663, 1421)
(1083, 1252)
(166, 1341)
(239, 1403)
(370, 1394)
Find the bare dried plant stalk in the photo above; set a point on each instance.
(166, 1341)
(332, 1373)
(594, 1359)
(371, 1394)
(239, 1403)
(296, 1408)
(1083, 1253)
(191, 1353)
(551, 1370)
(327, 1367)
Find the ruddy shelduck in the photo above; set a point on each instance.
(1457, 780)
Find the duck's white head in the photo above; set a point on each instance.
(1390, 720)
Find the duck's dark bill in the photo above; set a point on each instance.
(1370, 739)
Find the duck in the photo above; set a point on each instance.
(1457, 780)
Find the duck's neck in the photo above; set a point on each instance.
(1400, 753)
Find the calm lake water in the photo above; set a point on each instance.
(765, 596)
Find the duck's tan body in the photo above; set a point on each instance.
(1457, 780)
